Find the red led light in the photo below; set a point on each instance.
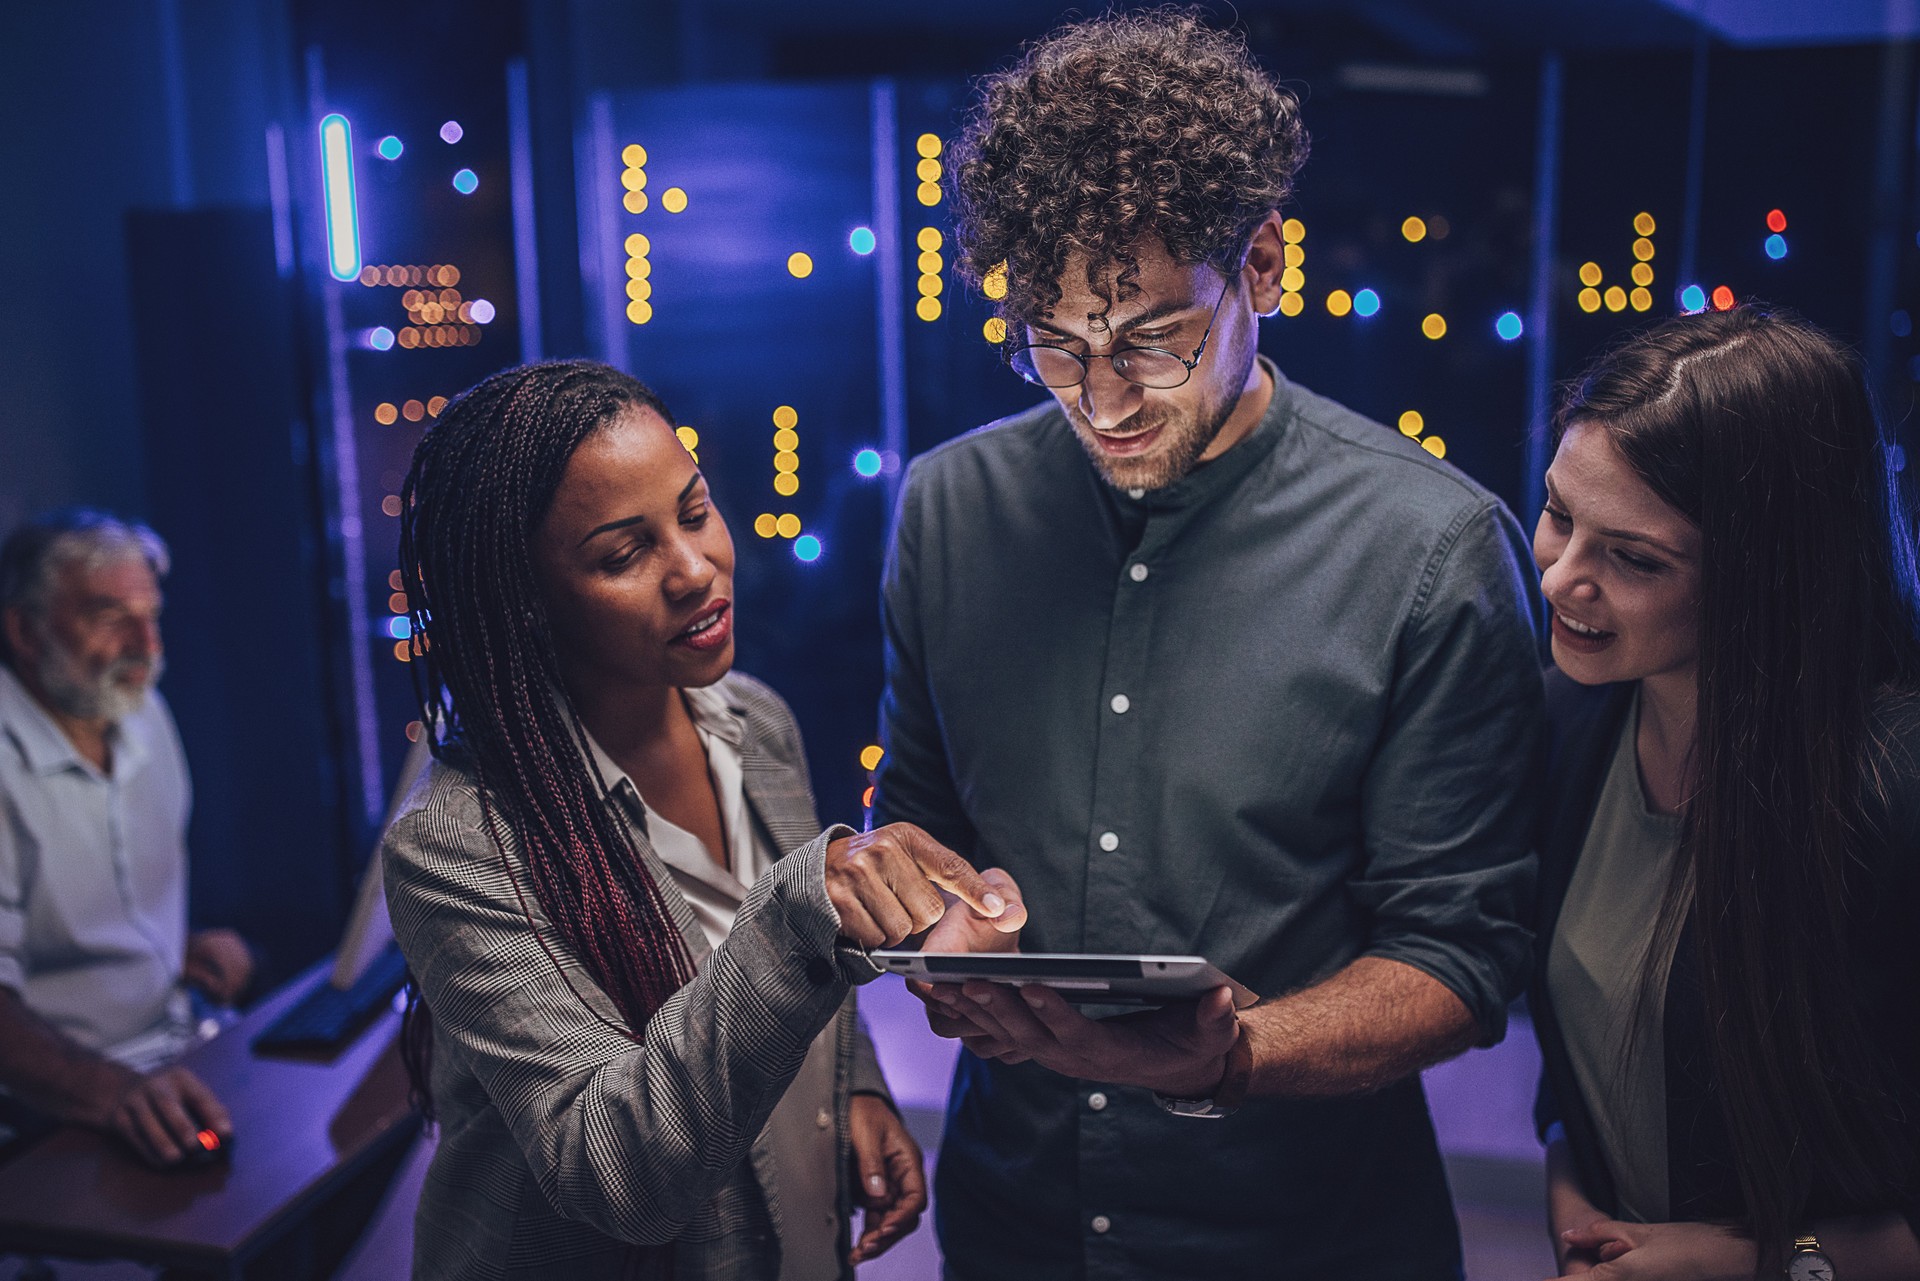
(1776, 221)
(866, 799)
(1723, 299)
(209, 1140)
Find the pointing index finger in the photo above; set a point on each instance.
(951, 872)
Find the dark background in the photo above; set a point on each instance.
(173, 347)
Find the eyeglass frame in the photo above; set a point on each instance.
(1007, 354)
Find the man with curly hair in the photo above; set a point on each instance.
(1213, 666)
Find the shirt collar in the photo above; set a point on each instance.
(713, 713)
(45, 747)
(1210, 479)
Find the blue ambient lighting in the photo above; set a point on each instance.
(466, 181)
(807, 548)
(381, 339)
(1776, 246)
(1693, 298)
(867, 463)
(400, 627)
(481, 311)
(336, 180)
(862, 240)
(1901, 323)
(390, 148)
(1366, 303)
(1509, 325)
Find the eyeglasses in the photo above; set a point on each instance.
(1048, 366)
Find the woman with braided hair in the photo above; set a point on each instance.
(643, 1050)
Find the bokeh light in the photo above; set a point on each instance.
(1414, 230)
(1412, 423)
(1366, 303)
(673, 200)
(807, 548)
(867, 463)
(799, 266)
(451, 132)
(1339, 302)
(466, 182)
(862, 240)
(1509, 326)
(1434, 326)
(390, 148)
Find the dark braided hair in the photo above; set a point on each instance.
(487, 675)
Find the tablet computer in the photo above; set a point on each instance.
(1094, 980)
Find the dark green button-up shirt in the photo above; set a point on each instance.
(1283, 713)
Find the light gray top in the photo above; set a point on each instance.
(93, 878)
(1593, 972)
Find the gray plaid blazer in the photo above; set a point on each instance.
(561, 1139)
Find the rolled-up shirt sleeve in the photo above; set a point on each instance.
(1448, 798)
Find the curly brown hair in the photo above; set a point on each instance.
(1108, 134)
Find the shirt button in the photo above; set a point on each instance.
(823, 1118)
(1138, 573)
(1097, 1101)
(1101, 1224)
(1136, 493)
(1120, 703)
(1109, 842)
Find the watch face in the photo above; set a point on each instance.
(1810, 1265)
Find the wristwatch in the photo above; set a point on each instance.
(1228, 1095)
(1807, 1262)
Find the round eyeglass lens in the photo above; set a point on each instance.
(1047, 366)
(1150, 367)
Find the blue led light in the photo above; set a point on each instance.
(466, 181)
(1776, 246)
(807, 548)
(381, 339)
(390, 148)
(1509, 325)
(1901, 323)
(1366, 303)
(862, 240)
(336, 180)
(451, 132)
(867, 463)
(400, 627)
(482, 311)
(1693, 298)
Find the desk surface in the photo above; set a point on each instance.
(300, 1128)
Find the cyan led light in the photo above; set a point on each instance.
(862, 240)
(1776, 246)
(1693, 298)
(807, 547)
(390, 148)
(336, 179)
(466, 181)
(1366, 303)
(867, 463)
(1509, 326)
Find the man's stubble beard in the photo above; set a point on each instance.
(1175, 454)
(106, 696)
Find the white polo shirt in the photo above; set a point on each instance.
(93, 877)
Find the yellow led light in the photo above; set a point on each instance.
(435, 405)
(766, 525)
(1642, 273)
(1339, 302)
(403, 651)
(799, 266)
(786, 416)
(1411, 423)
(994, 283)
(638, 246)
(688, 437)
(1414, 229)
(1293, 255)
(928, 193)
(634, 179)
(1293, 231)
(928, 170)
(1589, 300)
(385, 414)
(931, 263)
(995, 330)
(786, 484)
(639, 268)
(634, 155)
(1590, 275)
(1643, 224)
(788, 526)
(639, 290)
(673, 200)
(870, 757)
(929, 286)
(786, 461)
(1435, 446)
(927, 144)
(635, 201)
(1615, 298)
(927, 309)
(1291, 304)
(930, 239)
(1643, 249)
(639, 312)
(1641, 300)
(786, 439)
(1434, 326)
(1291, 279)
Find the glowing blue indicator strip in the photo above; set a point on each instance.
(336, 179)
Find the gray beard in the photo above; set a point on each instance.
(102, 697)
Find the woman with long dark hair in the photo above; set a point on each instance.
(643, 1049)
(1727, 963)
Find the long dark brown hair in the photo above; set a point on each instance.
(487, 675)
(1760, 430)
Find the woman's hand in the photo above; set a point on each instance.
(889, 1173)
(886, 884)
(1568, 1209)
(1662, 1251)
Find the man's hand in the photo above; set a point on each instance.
(1661, 1252)
(220, 964)
(889, 1173)
(964, 930)
(883, 885)
(1179, 1050)
(160, 1114)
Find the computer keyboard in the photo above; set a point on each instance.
(328, 1017)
